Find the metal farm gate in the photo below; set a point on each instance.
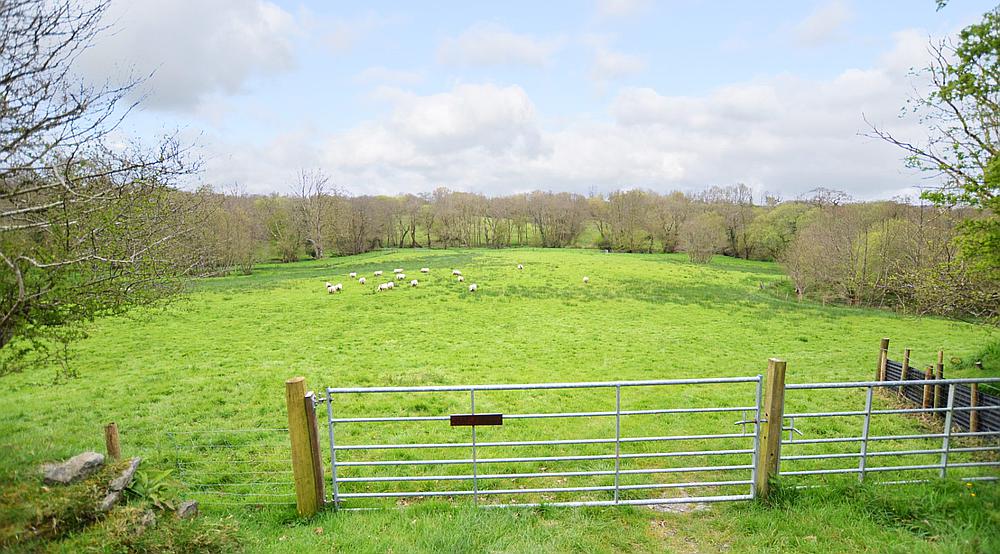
(492, 445)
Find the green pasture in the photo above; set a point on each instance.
(197, 385)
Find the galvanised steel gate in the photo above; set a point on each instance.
(355, 479)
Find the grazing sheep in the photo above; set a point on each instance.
(456, 272)
(378, 273)
(398, 270)
(328, 285)
(390, 284)
(519, 266)
(461, 279)
(330, 289)
(400, 276)
(425, 270)
(339, 286)
(414, 283)
(361, 280)
(586, 280)
(354, 275)
(473, 287)
(384, 286)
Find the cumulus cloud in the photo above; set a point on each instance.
(823, 24)
(194, 48)
(780, 133)
(491, 44)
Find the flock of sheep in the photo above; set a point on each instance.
(400, 276)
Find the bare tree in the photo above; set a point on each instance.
(314, 209)
(703, 236)
(86, 227)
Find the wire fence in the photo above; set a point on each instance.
(234, 467)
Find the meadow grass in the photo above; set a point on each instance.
(215, 360)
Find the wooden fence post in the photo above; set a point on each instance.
(111, 442)
(306, 499)
(928, 375)
(769, 439)
(903, 373)
(973, 403)
(317, 460)
(883, 356)
(939, 374)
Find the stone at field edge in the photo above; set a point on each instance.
(73, 469)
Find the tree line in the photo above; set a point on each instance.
(889, 253)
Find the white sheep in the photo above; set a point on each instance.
(390, 284)
(384, 286)
(361, 280)
(400, 276)
(398, 270)
(328, 284)
(354, 275)
(461, 279)
(330, 289)
(473, 287)
(339, 286)
(586, 279)
(425, 270)
(519, 266)
(456, 272)
(414, 283)
(378, 273)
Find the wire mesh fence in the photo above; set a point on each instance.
(234, 467)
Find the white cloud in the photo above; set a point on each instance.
(610, 65)
(491, 44)
(823, 24)
(195, 48)
(781, 133)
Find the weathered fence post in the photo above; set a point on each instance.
(938, 374)
(974, 403)
(883, 356)
(306, 499)
(903, 372)
(928, 375)
(769, 455)
(111, 441)
(317, 460)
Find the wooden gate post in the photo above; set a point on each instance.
(769, 438)
(928, 375)
(306, 499)
(974, 403)
(903, 371)
(883, 358)
(939, 374)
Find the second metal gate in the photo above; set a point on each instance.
(391, 469)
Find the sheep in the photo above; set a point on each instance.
(390, 284)
(456, 272)
(425, 270)
(398, 270)
(519, 266)
(361, 280)
(330, 289)
(414, 283)
(384, 286)
(339, 286)
(400, 276)
(328, 284)
(586, 279)
(354, 275)
(461, 279)
(378, 273)
(473, 287)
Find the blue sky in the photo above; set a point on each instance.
(501, 97)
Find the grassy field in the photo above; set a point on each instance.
(178, 378)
